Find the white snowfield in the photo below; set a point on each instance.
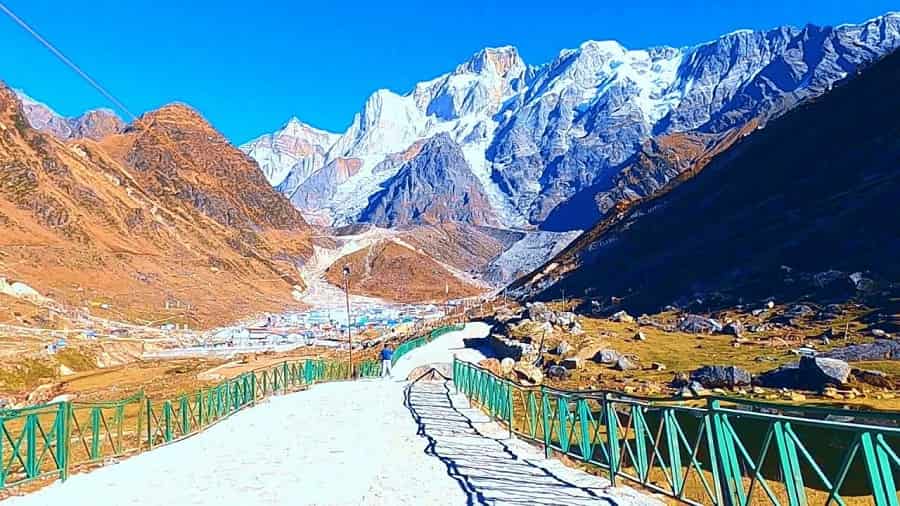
(373, 442)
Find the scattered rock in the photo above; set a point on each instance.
(799, 311)
(657, 366)
(684, 392)
(504, 347)
(714, 376)
(880, 333)
(565, 319)
(680, 379)
(862, 283)
(572, 363)
(39, 394)
(697, 389)
(811, 373)
(624, 364)
(881, 349)
(607, 356)
(528, 373)
(62, 398)
(622, 317)
(696, 324)
(562, 348)
(735, 329)
(823, 279)
(874, 378)
(539, 312)
(557, 372)
(770, 304)
(507, 365)
(640, 336)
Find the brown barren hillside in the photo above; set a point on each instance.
(395, 272)
(165, 222)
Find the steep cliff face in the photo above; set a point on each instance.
(436, 186)
(165, 215)
(813, 191)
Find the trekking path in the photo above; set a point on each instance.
(368, 442)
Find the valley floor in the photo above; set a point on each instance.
(362, 443)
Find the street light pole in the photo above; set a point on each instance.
(346, 272)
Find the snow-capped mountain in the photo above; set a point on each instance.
(94, 124)
(537, 136)
(287, 157)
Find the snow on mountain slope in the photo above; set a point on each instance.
(287, 157)
(536, 136)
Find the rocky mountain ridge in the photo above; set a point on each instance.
(94, 124)
(539, 136)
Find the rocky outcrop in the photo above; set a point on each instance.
(503, 347)
(721, 376)
(435, 186)
(881, 349)
(811, 373)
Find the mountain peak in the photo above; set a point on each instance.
(501, 61)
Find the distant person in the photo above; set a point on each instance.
(387, 354)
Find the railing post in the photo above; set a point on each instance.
(562, 413)
(789, 464)
(62, 440)
(509, 408)
(673, 445)
(612, 437)
(167, 420)
(546, 422)
(878, 469)
(185, 420)
(120, 427)
(640, 441)
(584, 442)
(149, 424)
(727, 469)
(95, 433)
(31, 439)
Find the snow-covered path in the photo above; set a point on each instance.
(372, 442)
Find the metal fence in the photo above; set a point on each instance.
(715, 450)
(47, 441)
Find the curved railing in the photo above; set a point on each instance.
(49, 440)
(723, 451)
(418, 342)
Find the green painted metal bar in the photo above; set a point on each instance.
(95, 433)
(612, 437)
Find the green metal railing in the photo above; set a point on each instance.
(47, 441)
(418, 342)
(724, 452)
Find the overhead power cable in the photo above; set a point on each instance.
(118, 103)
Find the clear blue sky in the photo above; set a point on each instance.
(249, 66)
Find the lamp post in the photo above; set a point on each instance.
(346, 272)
